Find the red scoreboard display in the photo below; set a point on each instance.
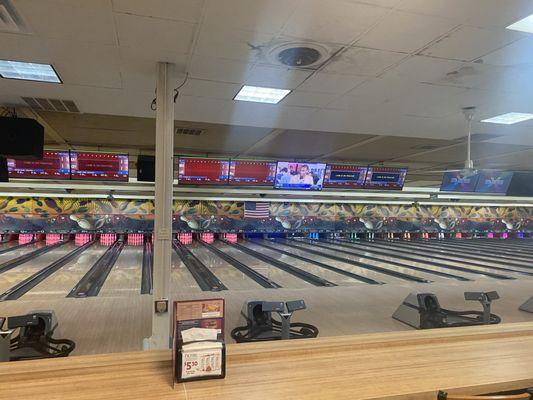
(99, 166)
(345, 176)
(54, 165)
(202, 171)
(251, 172)
(385, 178)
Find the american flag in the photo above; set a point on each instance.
(254, 209)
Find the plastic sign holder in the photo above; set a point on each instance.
(198, 351)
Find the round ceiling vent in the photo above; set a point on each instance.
(299, 55)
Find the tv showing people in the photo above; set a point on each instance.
(386, 178)
(99, 166)
(252, 172)
(299, 175)
(202, 171)
(492, 181)
(459, 181)
(344, 176)
(54, 165)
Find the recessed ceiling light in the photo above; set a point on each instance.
(524, 25)
(259, 94)
(28, 71)
(509, 118)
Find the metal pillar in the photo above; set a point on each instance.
(164, 176)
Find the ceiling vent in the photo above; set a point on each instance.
(40, 104)
(188, 131)
(10, 19)
(305, 55)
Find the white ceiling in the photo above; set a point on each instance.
(402, 68)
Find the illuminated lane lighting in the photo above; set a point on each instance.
(509, 118)
(258, 94)
(28, 71)
(524, 25)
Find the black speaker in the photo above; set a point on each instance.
(146, 168)
(4, 175)
(521, 184)
(21, 138)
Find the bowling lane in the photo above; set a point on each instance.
(10, 278)
(477, 272)
(10, 255)
(180, 277)
(229, 275)
(277, 275)
(125, 276)
(341, 265)
(62, 281)
(338, 250)
(331, 276)
(467, 257)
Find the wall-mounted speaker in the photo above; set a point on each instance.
(146, 169)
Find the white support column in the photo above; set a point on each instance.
(164, 176)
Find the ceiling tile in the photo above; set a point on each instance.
(219, 69)
(267, 16)
(340, 22)
(308, 99)
(178, 10)
(293, 144)
(79, 21)
(234, 44)
(215, 90)
(152, 33)
(469, 43)
(276, 77)
(406, 32)
(331, 83)
(515, 54)
(362, 61)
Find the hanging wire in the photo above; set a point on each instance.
(153, 104)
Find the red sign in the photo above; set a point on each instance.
(259, 173)
(99, 166)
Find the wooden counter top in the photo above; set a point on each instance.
(401, 365)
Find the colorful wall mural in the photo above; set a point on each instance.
(36, 214)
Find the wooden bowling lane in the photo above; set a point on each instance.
(60, 283)
(10, 278)
(321, 272)
(125, 276)
(497, 272)
(10, 255)
(181, 279)
(347, 267)
(279, 276)
(386, 270)
(229, 275)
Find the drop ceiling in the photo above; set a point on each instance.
(390, 90)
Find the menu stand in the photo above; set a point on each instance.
(199, 351)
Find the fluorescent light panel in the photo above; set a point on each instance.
(524, 25)
(259, 94)
(509, 118)
(28, 71)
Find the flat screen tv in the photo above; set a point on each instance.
(345, 176)
(202, 171)
(99, 166)
(54, 165)
(299, 175)
(459, 181)
(386, 178)
(252, 172)
(491, 181)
